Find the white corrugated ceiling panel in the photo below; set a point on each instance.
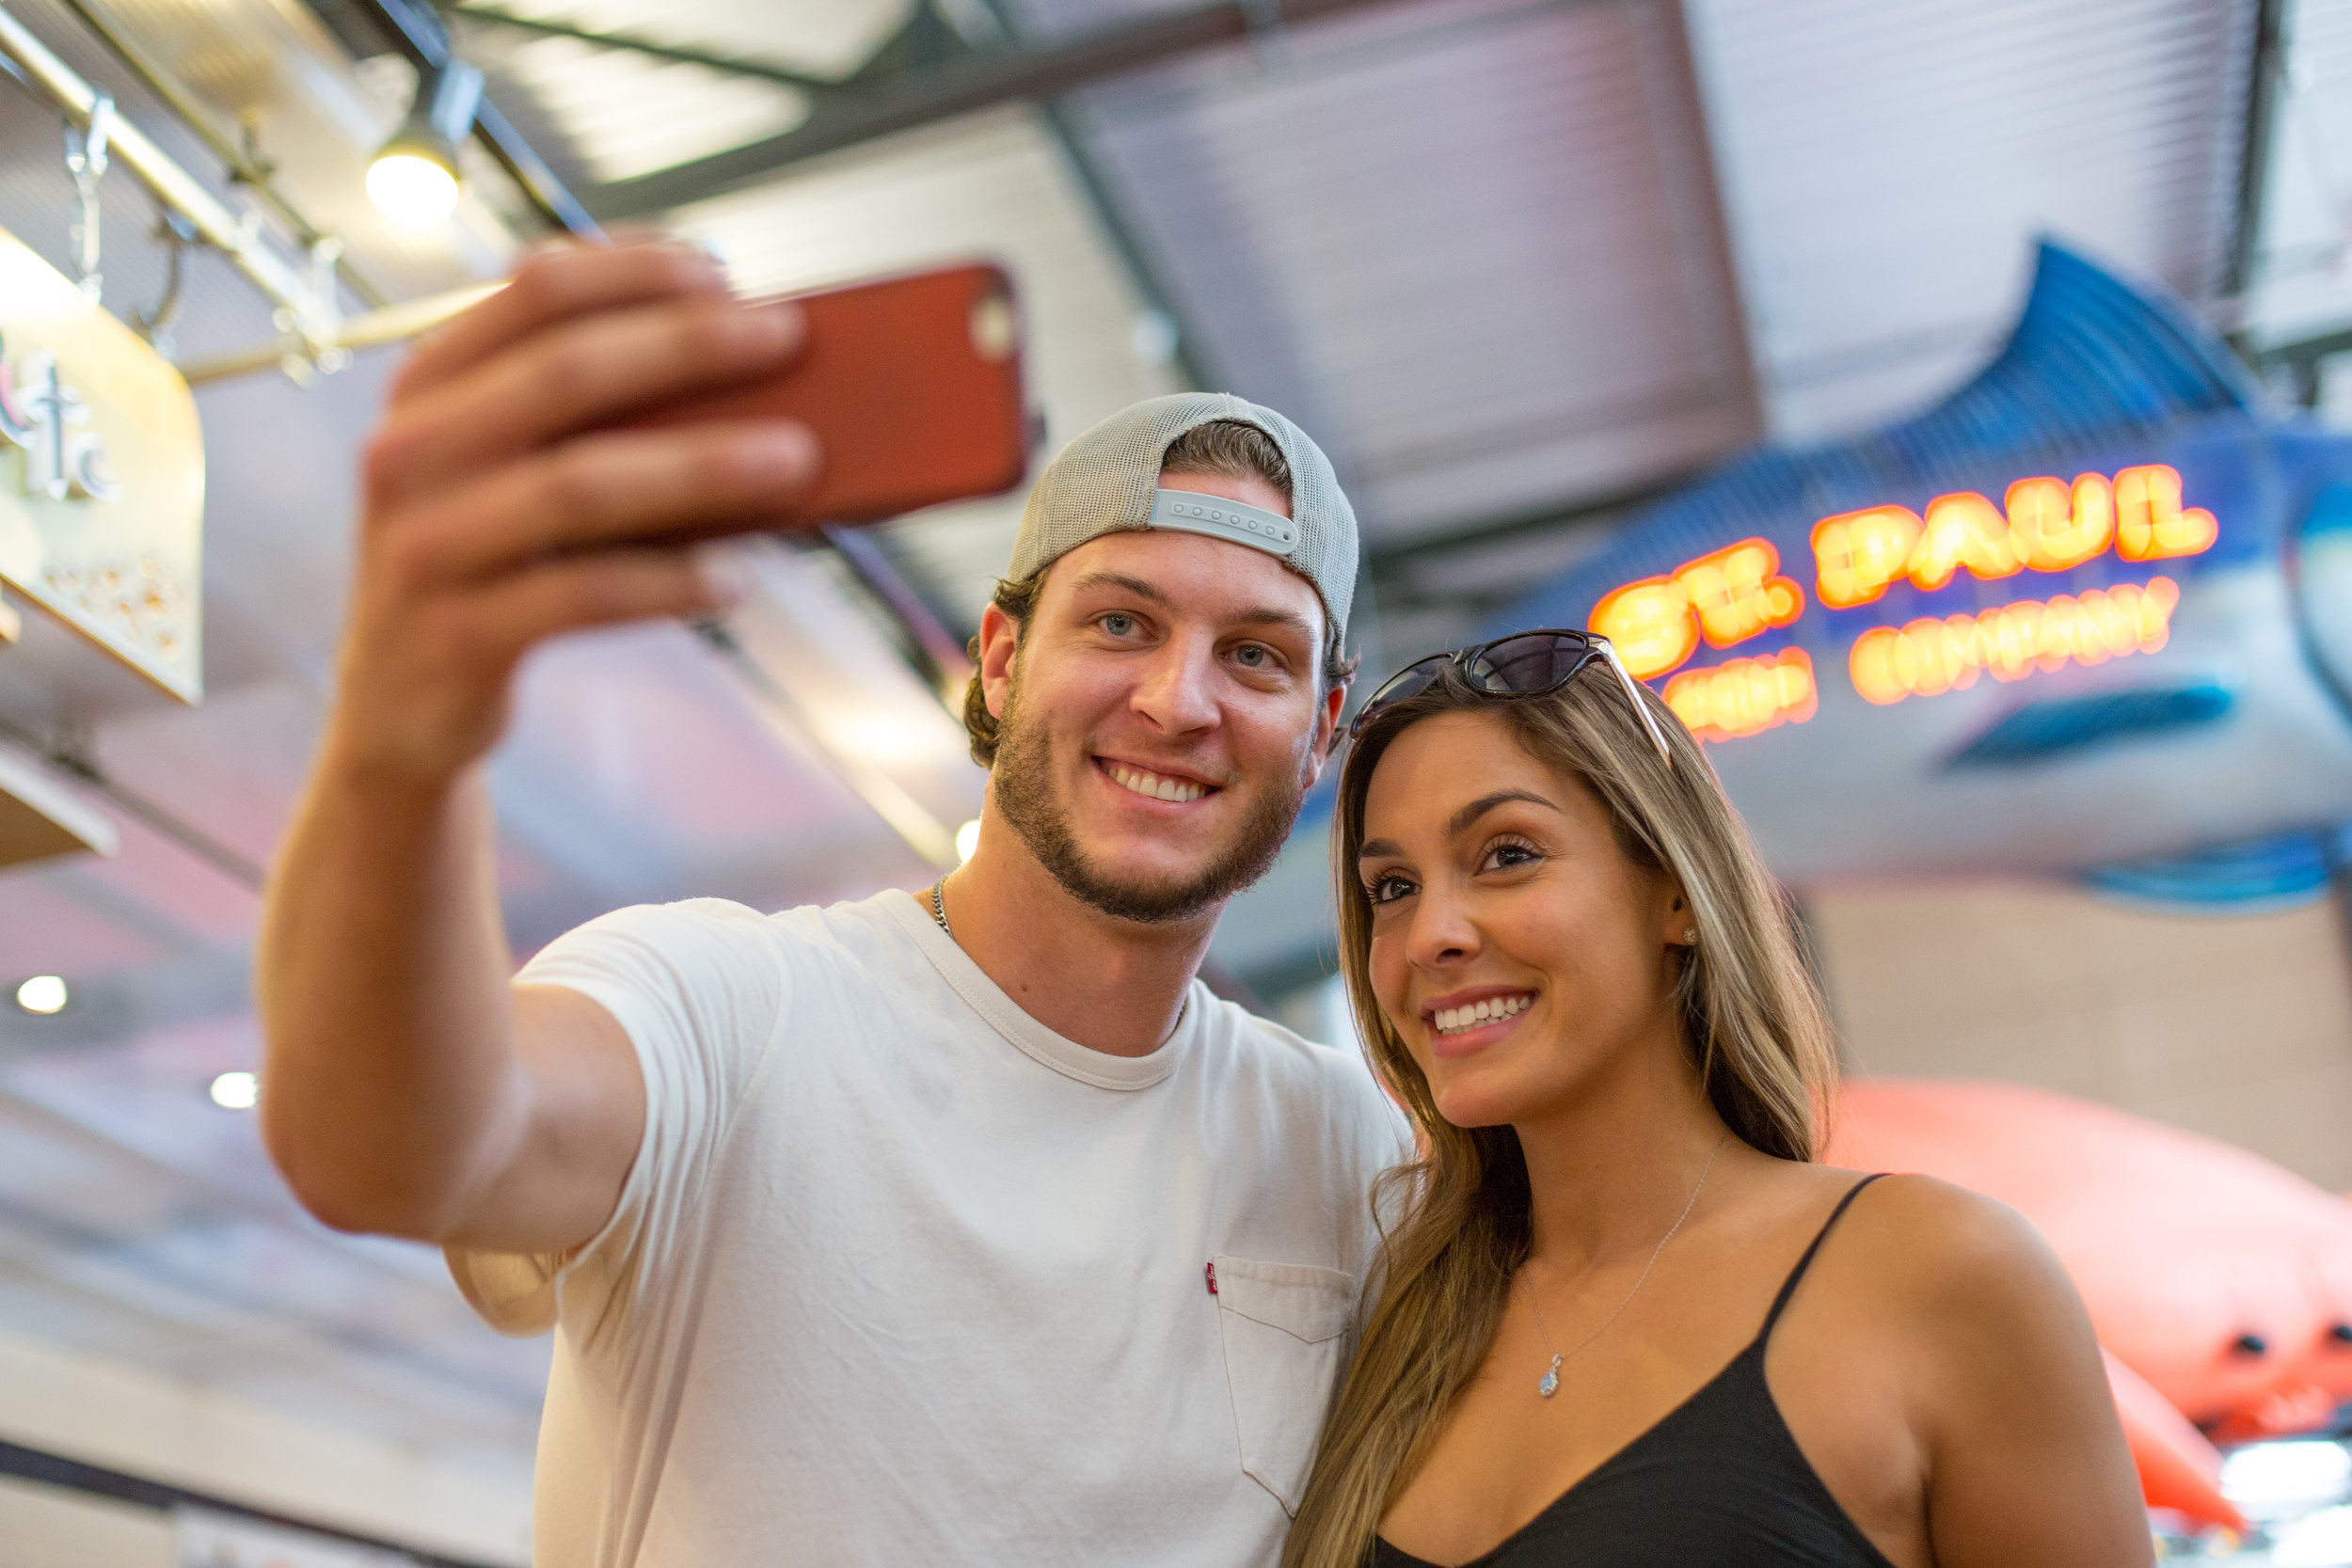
(1470, 246)
(1887, 164)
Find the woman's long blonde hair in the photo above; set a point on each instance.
(1752, 1019)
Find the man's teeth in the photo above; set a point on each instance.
(1452, 1020)
(1156, 786)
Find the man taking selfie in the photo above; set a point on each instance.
(961, 1228)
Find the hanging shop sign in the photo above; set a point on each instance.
(2044, 524)
(102, 476)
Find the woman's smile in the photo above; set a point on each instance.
(1462, 1021)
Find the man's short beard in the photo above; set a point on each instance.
(1032, 806)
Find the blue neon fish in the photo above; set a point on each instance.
(2218, 767)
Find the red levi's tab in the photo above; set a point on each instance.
(1211, 1271)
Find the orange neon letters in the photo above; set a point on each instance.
(1728, 596)
(1738, 592)
(2056, 528)
(1859, 553)
(1963, 529)
(1745, 696)
(2048, 525)
(1651, 624)
(2149, 524)
(1930, 656)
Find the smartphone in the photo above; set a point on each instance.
(912, 387)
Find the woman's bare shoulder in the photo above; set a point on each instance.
(1956, 1258)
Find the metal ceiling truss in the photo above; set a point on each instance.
(2302, 359)
(930, 72)
(2269, 61)
(553, 27)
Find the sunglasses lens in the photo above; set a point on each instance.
(1406, 684)
(1536, 662)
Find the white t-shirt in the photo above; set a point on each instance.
(900, 1277)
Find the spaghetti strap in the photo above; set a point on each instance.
(1796, 1274)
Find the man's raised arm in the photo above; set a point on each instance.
(406, 1087)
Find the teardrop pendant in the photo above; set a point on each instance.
(1549, 1383)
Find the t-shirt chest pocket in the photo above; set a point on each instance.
(1284, 1326)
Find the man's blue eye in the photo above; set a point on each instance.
(1251, 656)
(1118, 625)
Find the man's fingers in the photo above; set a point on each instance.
(607, 588)
(556, 284)
(598, 490)
(581, 372)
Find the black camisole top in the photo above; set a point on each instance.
(1719, 1482)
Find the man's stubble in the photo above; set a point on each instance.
(1031, 805)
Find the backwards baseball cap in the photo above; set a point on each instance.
(1108, 480)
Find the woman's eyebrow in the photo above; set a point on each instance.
(1485, 804)
(1459, 820)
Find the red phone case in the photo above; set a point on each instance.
(912, 386)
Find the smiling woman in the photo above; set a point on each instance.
(1574, 972)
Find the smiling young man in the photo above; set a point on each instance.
(965, 1226)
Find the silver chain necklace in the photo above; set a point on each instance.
(939, 909)
(1548, 1383)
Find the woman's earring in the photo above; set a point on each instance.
(1690, 935)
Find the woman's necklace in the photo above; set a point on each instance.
(1550, 1383)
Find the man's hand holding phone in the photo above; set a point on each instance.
(504, 500)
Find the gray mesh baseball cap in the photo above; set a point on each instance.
(1108, 478)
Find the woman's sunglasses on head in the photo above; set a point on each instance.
(1524, 664)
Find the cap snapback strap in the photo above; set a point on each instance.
(1191, 513)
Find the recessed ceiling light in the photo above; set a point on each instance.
(967, 840)
(43, 993)
(236, 1091)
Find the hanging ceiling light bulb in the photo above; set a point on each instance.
(414, 179)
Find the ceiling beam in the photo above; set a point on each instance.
(2269, 67)
(637, 44)
(868, 109)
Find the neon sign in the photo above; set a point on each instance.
(1746, 696)
(2044, 523)
(1725, 595)
(1930, 656)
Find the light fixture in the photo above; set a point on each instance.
(236, 1091)
(2270, 1481)
(967, 840)
(2322, 1539)
(414, 179)
(43, 993)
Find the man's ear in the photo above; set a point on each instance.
(1326, 731)
(1000, 640)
